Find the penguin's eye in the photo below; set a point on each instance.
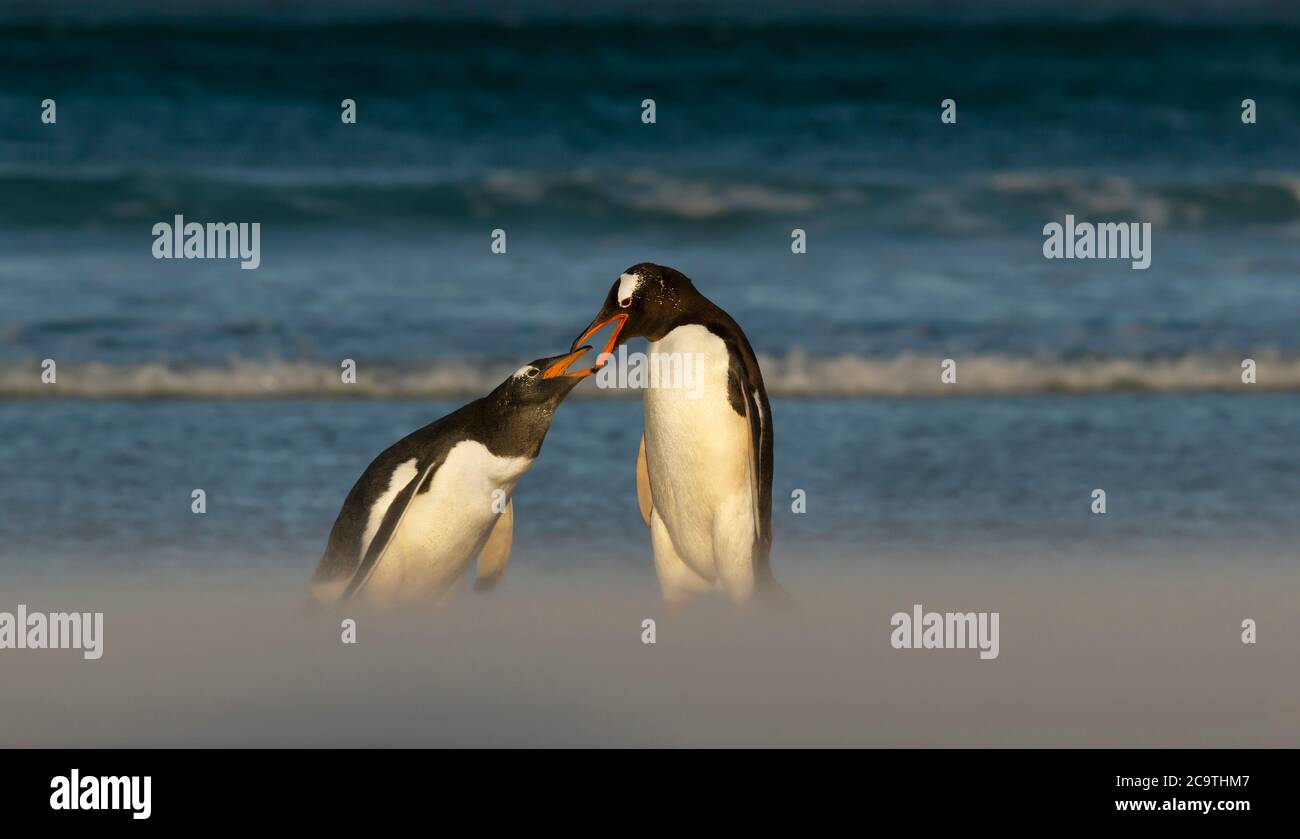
(531, 372)
(625, 302)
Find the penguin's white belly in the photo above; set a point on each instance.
(697, 457)
(445, 527)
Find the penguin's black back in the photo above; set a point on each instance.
(505, 428)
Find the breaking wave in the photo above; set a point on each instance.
(793, 375)
(1002, 201)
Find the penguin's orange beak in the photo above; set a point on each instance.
(561, 366)
(619, 320)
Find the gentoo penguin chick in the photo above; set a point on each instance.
(441, 496)
(704, 470)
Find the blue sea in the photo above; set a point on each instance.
(924, 242)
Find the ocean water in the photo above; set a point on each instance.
(1003, 486)
(924, 243)
(923, 238)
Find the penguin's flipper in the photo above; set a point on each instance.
(392, 520)
(496, 551)
(758, 414)
(643, 498)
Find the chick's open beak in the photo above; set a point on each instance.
(561, 366)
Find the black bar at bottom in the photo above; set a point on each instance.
(615, 789)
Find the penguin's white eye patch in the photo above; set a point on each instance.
(527, 372)
(627, 286)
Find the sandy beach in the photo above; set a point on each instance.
(1116, 660)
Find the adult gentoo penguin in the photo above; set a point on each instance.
(704, 470)
(441, 496)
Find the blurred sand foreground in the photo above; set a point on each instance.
(1142, 660)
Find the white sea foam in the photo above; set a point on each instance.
(792, 375)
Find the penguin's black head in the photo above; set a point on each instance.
(647, 300)
(545, 380)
